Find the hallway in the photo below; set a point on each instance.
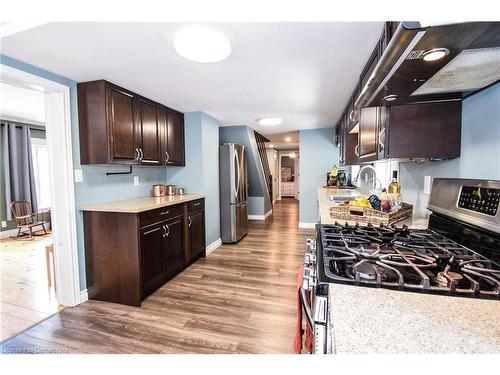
(240, 299)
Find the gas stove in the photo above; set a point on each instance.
(404, 259)
(458, 255)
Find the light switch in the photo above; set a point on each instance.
(427, 184)
(136, 180)
(78, 175)
(4, 224)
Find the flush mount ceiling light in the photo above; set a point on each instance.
(435, 54)
(270, 121)
(201, 44)
(288, 139)
(390, 98)
(271, 145)
(292, 155)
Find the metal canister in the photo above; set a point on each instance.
(158, 190)
(181, 191)
(171, 189)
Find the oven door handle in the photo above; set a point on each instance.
(307, 307)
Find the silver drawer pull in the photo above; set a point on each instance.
(196, 204)
(190, 221)
(165, 213)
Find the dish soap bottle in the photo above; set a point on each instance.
(385, 206)
(395, 192)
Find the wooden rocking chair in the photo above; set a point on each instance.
(27, 220)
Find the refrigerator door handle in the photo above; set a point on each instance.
(237, 190)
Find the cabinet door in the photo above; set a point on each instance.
(175, 139)
(174, 246)
(152, 258)
(149, 130)
(351, 149)
(196, 222)
(368, 134)
(122, 130)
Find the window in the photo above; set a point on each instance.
(41, 169)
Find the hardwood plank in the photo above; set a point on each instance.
(239, 299)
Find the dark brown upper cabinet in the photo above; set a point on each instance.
(412, 131)
(368, 134)
(118, 126)
(173, 142)
(149, 132)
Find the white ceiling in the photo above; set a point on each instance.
(22, 104)
(279, 143)
(302, 72)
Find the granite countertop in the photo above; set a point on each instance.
(136, 205)
(414, 221)
(372, 320)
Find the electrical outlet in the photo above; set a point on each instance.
(4, 224)
(136, 180)
(427, 184)
(78, 175)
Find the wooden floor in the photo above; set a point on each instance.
(25, 298)
(240, 299)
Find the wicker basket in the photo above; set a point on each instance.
(369, 215)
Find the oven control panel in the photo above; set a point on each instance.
(479, 199)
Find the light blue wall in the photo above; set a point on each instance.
(256, 180)
(318, 154)
(479, 154)
(201, 173)
(96, 187)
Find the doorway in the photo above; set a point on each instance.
(35, 286)
(289, 174)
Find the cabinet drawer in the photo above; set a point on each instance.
(160, 214)
(196, 205)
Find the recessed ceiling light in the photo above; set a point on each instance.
(202, 44)
(390, 98)
(270, 121)
(288, 139)
(271, 145)
(435, 54)
(37, 88)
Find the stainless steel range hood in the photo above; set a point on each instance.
(470, 61)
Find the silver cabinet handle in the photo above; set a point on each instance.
(138, 154)
(356, 150)
(380, 138)
(196, 204)
(167, 157)
(167, 230)
(142, 154)
(190, 221)
(164, 231)
(165, 213)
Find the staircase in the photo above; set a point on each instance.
(261, 146)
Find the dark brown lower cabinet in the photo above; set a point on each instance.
(129, 256)
(196, 234)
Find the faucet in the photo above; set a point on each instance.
(374, 179)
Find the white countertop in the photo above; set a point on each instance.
(414, 222)
(136, 205)
(372, 320)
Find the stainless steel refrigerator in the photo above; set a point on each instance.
(233, 192)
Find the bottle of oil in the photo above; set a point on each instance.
(394, 192)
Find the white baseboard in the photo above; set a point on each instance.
(260, 217)
(8, 233)
(214, 245)
(307, 225)
(84, 296)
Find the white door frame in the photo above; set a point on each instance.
(58, 133)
